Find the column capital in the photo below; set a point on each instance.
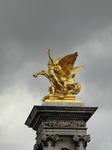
(83, 138)
(52, 138)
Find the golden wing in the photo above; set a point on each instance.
(57, 60)
(75, 70)
(67, 63)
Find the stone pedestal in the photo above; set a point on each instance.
(60, 126)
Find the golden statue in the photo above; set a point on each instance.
(61, 73)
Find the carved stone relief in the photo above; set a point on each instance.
(43, 140)
(52, 138)
(64, 123)
(83, 138)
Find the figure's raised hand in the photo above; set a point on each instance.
(48, 50)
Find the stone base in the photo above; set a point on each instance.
(61, 126)
(68, 104)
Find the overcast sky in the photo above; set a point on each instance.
(27, 29)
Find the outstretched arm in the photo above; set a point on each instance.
(48, 50)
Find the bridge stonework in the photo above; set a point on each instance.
(60, 126)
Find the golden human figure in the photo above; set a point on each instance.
(61, 73)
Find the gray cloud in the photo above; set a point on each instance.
(45, 21)
(27, 29)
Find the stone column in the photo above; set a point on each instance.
(49, 141)
(61, 126)
(80, 141)
(46, 142)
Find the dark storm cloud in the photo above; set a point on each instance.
(39, 25)
(44, 21)
(27, 29)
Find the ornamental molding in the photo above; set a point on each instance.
(43, 140)
(64, 123)
(52, 138)
(78, 138)
(67, 115)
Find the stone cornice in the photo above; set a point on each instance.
(39, 113)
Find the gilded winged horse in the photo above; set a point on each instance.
(61, 73)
